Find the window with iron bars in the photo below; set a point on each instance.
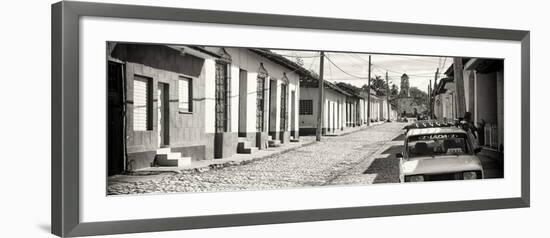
(306, 107)
(260, 101)
(222, 92)
(284, 115)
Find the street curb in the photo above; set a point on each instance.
(220, 165)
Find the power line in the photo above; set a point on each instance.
(377, 67)
(343, 71)
(386, 69)
(379, 70)
(350, 56)
(401, 73)
(311, 65)
(400, 56)
(357, 77)
(443, 66)
(299, 56)
(330, 71)
(414, 59)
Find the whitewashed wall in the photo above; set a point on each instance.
(249, 61)
(210, 96)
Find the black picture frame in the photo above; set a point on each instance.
(65, 118)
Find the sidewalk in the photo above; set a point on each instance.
(152, 173)
(491, 167)
(205, 165)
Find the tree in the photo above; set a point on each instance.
(377, 84)
(394, 93)
(300, 61)
(314, 74)
(419, 97)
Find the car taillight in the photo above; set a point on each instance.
(469, 175)
(414, 178)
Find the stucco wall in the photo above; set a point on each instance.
(334, 100)
(161, 64)
(249, 61)
(185, 129)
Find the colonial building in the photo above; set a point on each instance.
(445, 100)
(405, 86)
(484, 101)
(336, 112)
(408, 107)
(378, 107)
(356, 109)
(484, 94)
(170, 105)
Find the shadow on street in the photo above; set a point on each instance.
(387, 168)
(399, 138)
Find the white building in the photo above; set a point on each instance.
(171, 104)
(337, 112)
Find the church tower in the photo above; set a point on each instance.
(404, 86)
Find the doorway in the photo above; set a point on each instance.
(293, 113)
(328, 116)
(243, 96)
(115, 118)
(163, 110)
(272, 105)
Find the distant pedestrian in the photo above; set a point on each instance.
(467, 124)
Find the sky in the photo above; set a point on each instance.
(353, 67)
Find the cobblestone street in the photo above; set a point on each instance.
(356, 158)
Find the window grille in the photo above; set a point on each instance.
(260, 102)
(284, 113)
(222, 104)
(306, 107)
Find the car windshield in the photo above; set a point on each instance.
(437, 144)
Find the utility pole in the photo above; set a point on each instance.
(430, 99)
(321, 98)
(435, 78)
(435, 85)
(388, 93)
(459, 82)
(368, 96)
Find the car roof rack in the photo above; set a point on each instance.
(429, 124)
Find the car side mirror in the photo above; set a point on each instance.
(399, 155)
(477, 150)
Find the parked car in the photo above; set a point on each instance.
(438, 153)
